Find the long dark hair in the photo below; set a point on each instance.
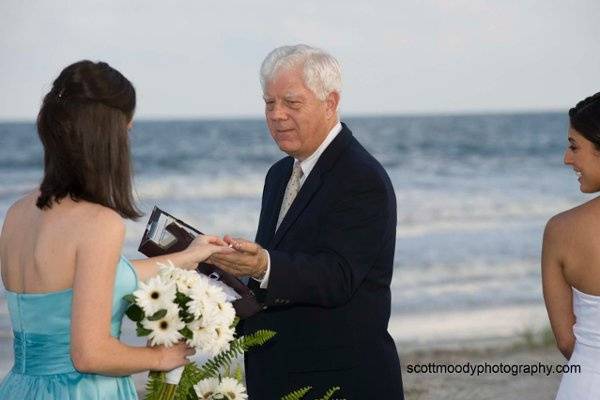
(83, 126)
(585, 118)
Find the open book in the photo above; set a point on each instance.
(166, 234)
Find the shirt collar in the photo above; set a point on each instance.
(308, 163)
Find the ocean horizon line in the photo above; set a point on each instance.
(385, 115)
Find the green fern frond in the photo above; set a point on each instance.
(330, 393)
(192, 374)
(257, 338)
(297, 394)
(236, 348)
(153, 385)
(185, 388)
(239, 373)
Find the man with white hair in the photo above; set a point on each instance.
(322, 261)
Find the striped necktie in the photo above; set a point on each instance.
(291, 191)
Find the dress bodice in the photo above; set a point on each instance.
(586, 308)
(583, 382)
(43, 368)
(42, 324)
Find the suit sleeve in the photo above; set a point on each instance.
(349, 241)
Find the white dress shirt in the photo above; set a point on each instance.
(307, 166)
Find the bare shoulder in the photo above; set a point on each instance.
(19, 208)
(568, 223)
(97, 218)
(26, 201)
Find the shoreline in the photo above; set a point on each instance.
(466, 328)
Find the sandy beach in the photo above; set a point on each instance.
(485, 386)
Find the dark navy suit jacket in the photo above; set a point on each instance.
(328, 296)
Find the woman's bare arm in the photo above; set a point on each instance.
(557, 291)
(93, 349)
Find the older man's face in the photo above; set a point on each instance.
(297, 119)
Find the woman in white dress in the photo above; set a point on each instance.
(571, 261)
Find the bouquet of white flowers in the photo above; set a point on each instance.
(180, 305)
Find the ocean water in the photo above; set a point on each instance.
(473, 192)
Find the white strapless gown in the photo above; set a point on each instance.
(584, 385)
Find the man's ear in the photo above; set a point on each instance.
(331, 102)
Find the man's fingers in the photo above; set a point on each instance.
(245, 246)
(233, 269)
(232, 256)
(217, 249)
(232, 240)
(227, 261)
(241, 244)
(216, 241)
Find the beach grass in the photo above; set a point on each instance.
(530, 338)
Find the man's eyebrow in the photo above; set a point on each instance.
(571, 140)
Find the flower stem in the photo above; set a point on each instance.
(167, 392)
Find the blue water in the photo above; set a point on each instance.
(474, 193)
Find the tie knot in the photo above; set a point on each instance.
(297, 171)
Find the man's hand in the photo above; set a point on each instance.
(249, 258)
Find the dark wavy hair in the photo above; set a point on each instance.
(83, 127)
(585, 119)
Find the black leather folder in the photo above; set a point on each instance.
(166, 234)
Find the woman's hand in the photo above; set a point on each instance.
(198, 251)
(173, 357)
(204, 246)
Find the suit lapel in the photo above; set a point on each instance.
(310, 187)
(273, 202)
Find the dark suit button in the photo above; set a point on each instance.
(264, 307)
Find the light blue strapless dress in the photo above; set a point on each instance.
(43, 368)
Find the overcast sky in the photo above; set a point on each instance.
(201, 59)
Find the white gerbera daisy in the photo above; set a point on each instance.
(165, 270)
(206, 296)
(196, 307)
(221, 343)
(215, 294)
(204, 336)
(154, 295)
(225, 314)
(207, 290)
(232, 388)
(198, 295)
(206, 388)
(186, 281)
(165, 331)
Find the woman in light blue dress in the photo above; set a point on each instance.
(60, 250)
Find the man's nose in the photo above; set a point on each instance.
(277, 113)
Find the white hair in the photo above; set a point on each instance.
(322, 72)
